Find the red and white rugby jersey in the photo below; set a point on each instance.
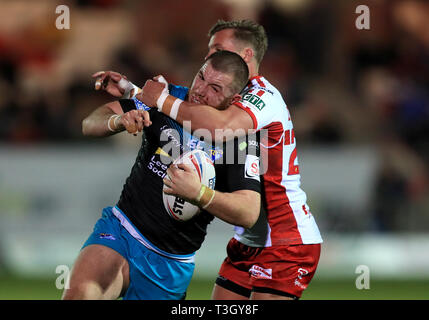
(288, 215)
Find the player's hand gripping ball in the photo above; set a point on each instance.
(178, 208)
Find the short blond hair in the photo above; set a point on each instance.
(247, 31)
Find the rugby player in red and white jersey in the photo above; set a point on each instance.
(277, 258)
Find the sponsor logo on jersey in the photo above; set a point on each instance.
(253, 143)
(262, 88)
(194, 143)
(214, 153)
(107, 236)
(261, 273)
(242, 146)
(156, 165)
(255, 100)
(251, 167)
(172, 135)
(161, 152)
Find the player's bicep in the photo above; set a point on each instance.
(250, 198)
(239, 118)
(222, 124)
(259, 105)
(231, 123)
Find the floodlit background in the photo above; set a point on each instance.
(359, 100)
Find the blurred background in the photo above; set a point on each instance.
(359, 100)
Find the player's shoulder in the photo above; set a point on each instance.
(260, 83)
(259, 86)
(260, 91)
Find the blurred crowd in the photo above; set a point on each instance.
(343, 86)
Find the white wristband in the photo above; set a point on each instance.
(161, 100)
(175, 108)
(114, 122)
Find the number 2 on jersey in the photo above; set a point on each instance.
(293, 169)
(290, 139)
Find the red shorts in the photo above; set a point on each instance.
(280, 269)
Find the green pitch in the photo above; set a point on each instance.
(341, 290)
(16, 288)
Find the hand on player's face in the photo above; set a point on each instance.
(135, 120)
(183, 182)
(109, 82)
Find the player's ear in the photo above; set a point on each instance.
(235, 98)
(248, 54)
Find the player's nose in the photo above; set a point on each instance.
(200, 90)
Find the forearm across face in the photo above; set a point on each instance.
(233, 121)
(222, 125)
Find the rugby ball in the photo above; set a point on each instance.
(178, 208)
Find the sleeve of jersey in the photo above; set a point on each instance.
(178, 91)
(259, 105)
(244, 176)
(132, 104)
(244, 173)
